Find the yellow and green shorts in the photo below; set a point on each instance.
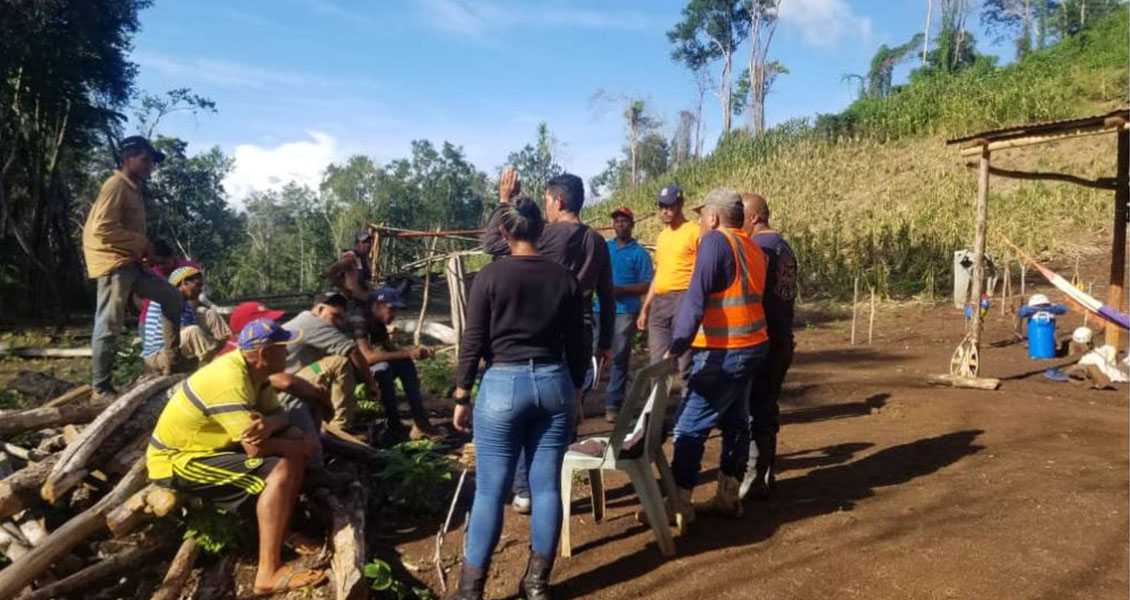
(225, 480)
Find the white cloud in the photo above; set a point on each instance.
(823, 22)
(480, 17)
(259, 169)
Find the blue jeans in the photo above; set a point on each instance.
(717, 394)
(386, 374)
(622, 337)
(528, 407)
(114, 290)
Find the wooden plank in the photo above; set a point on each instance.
(977, 383)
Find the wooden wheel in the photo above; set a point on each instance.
(966, 361)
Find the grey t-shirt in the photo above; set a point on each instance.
(319, 339)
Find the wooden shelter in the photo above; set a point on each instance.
(983, 145)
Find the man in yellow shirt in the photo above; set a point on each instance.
(675, 251)
(224, 437)
(116, 248)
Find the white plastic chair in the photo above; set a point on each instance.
(635, 443)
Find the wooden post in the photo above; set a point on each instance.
(871, 322)
(427, 291)
(982, 218)
(1118, 252)
(854, 306)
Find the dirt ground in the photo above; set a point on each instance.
(889, 487)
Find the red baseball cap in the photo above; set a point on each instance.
(248, 312)
(624, 211)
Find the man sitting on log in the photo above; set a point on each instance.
(224, 437)
(328, 357)
(389, 363)
(202, 334)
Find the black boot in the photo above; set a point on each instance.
(471, 581)
(535, 583)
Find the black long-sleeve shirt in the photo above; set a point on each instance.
(579, 249)
(522, 308)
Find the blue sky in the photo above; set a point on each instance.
(302, 83)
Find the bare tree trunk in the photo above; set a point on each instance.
(700, 81)
(726, 90)
(926, 31)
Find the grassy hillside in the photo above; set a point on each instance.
(875, 192)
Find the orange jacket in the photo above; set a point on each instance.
(735, 317)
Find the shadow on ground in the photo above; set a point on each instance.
(821, 491)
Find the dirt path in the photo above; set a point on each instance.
(889, 487)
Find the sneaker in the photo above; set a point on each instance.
(521, 503)
(610, 415)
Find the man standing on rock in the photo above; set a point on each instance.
(765, 393)
(117, 253)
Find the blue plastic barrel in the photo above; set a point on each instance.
(1041, 335)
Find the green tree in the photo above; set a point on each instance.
(712, 30)
(66, 75)
(883, 65)
(537, 163)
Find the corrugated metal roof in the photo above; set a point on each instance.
(1043, 127)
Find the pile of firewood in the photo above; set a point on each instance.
(90, 465)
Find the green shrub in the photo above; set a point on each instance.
(214, 531)
(383, 581)
(412, 474)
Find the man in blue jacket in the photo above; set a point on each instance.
(631, 276)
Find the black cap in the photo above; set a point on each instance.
(670, 195)
(135, 142)
(362, 234)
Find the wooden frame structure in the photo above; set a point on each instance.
(983, 145)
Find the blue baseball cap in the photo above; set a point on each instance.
(386, 295)
(261, 333)
(670, 195)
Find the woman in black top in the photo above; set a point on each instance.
(524, 317)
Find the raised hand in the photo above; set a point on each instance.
(508, 185)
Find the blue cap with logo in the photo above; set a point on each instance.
(670, 195)
(386, 295)
(261, 333)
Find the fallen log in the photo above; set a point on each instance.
(348, 514)
(23, 571)
(121, 461)
(152, 502)
(977, 383)
(79, 393)
(33, 455)
(178, 572)
(12, 546)
(73, 465)
(83, 578)
(29, 352)
(216, 581)
(21, 490)
(18, 421)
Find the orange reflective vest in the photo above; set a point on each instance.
(735, 317)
